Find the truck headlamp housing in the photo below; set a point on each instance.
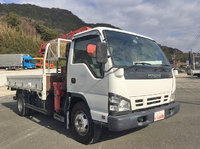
(173, 96)
(118, 104)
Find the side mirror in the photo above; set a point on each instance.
(101, 53)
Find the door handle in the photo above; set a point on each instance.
(73, 80)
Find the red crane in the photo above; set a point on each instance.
(66, 36)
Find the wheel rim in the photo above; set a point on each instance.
(19, 105)
(81, 123)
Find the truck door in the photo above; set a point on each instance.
(86, 78)
(26, 63)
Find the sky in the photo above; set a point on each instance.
(172, 23)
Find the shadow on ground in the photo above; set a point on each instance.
(52, 124)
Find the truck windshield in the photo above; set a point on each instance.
(32, 61)
(129, 50)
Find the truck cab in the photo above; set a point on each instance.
(132, 86)
(28, 62)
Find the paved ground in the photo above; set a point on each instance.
(43, 132)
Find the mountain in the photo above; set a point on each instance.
(32, 25)
(174, 53)
(60, 20)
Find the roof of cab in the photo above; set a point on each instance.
(100, 29)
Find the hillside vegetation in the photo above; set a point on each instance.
(17, 41)
(59, 19)
(23, 35)
(172, 53)
(23, 28)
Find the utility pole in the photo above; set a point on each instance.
(174, 62)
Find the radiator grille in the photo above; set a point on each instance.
(154, 100)
(139, 102)
(150, 102)
(166, 98)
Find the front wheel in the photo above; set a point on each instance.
(82, 126)
(21, 108)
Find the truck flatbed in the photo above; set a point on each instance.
(33, 82)
(30, 82)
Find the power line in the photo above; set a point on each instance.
(196, 45)
(198, 51)
(194, 42)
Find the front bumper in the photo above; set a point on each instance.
(128, 121)
(32, 67)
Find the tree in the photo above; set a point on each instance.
(46, 33)
(13, 19)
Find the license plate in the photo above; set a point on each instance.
(159, 115)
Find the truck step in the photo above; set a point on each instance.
(38, 109)
(59, 117)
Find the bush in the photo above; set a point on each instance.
(15, 42)
(13, 19)
(46, 33)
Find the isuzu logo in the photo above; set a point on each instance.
(154, 76)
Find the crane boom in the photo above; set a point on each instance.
(66, 36)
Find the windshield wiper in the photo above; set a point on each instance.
(136, 64)
(143, 63)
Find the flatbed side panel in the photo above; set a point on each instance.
(31, 83)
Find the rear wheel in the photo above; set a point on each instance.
(82, 126)
(22, 109)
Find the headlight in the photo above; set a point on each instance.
(173, 96)
(118, 104)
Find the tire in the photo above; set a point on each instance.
(25, 68)
(82, 127)
(21, 108)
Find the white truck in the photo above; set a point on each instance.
(194, 64)
(112, 78)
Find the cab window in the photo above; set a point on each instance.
(81, 55)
